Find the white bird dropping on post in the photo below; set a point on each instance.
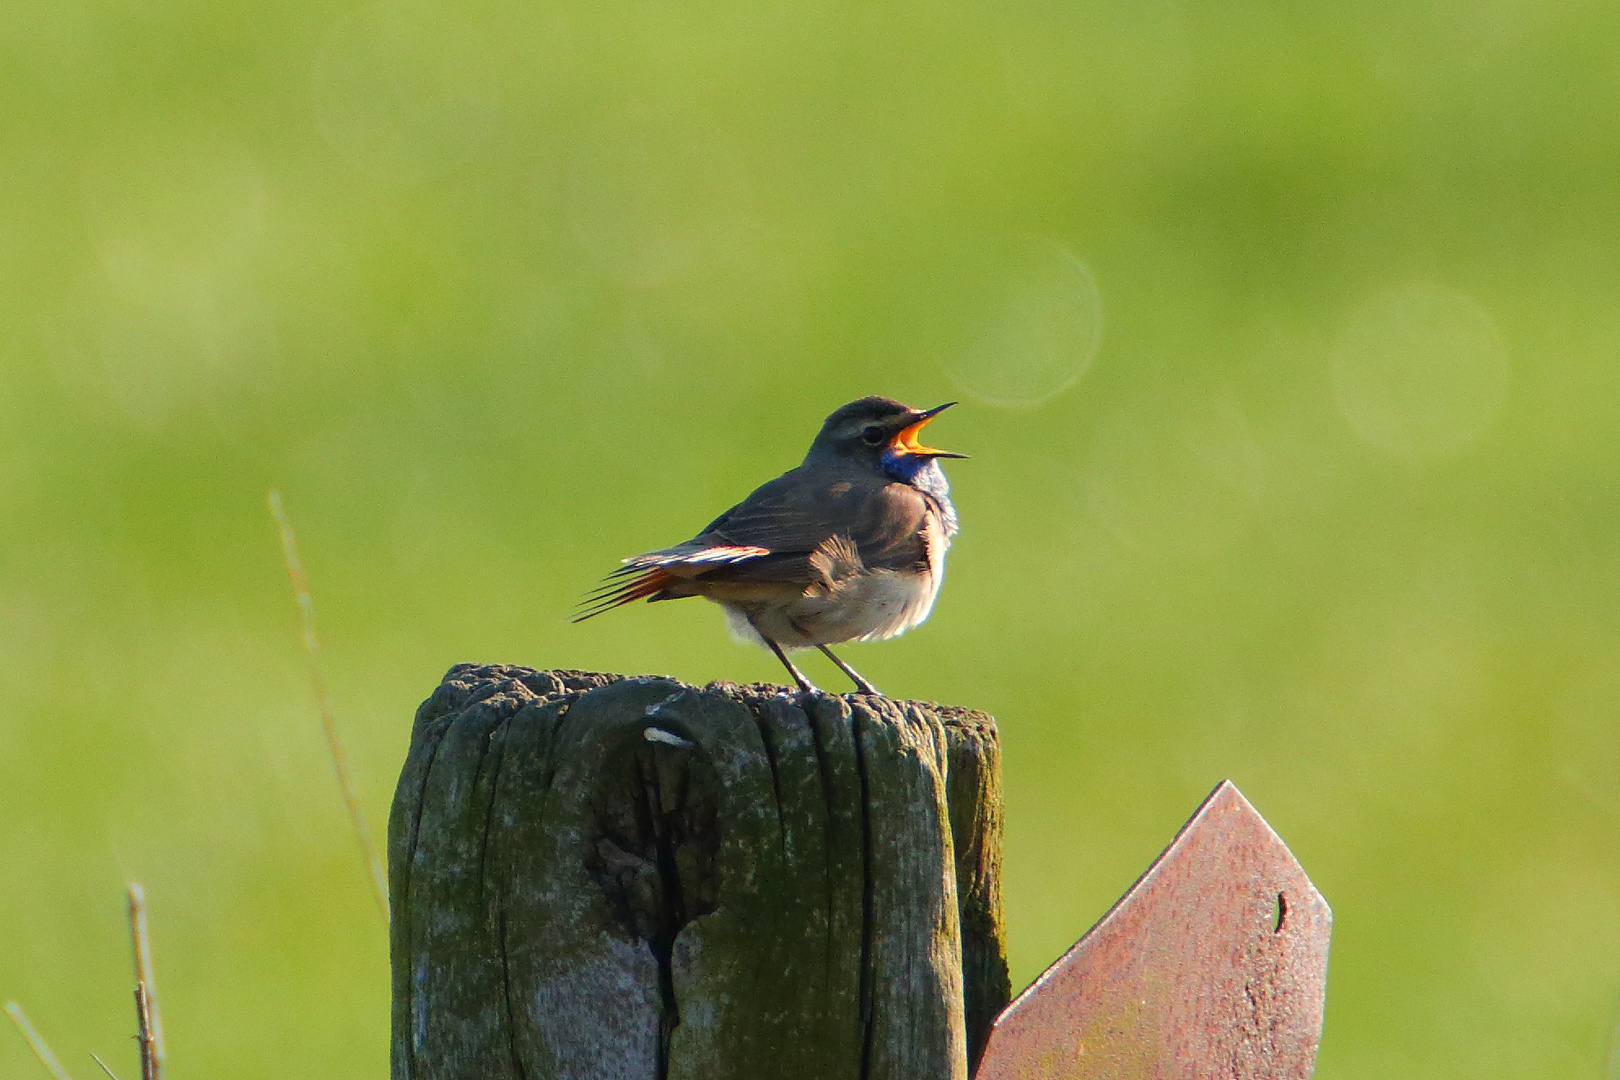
(1213, 965)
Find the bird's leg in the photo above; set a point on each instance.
(798, 676)
(860, 684)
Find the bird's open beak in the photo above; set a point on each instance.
(906, 440)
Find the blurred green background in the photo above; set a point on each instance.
(1286, 336)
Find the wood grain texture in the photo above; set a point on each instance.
(595, 876)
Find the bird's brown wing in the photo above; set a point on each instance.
(798, 514)
(792, 513)
(768, 539)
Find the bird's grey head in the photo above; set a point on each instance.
(882, 433)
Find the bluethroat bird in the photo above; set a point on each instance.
(848, 546)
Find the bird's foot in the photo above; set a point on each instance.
(808, 687)
(805, 685)
(861, 685)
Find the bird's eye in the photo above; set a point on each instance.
(872, 436)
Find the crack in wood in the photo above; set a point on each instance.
(657, 838)
(762, 724)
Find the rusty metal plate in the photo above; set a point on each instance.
(1213, 965)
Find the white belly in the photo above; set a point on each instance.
(871, 606)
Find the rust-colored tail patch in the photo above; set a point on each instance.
(645, 576)
(617, 591)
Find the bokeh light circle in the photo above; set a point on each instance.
(1420, 371)
(1032, 324)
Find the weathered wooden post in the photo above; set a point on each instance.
(595, 876)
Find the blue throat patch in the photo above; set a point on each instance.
(924, 474)
(904, 467)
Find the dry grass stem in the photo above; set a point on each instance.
(323, 700)
(104, 1068)
(146, 1029)
(145, 982)
(36, 1042)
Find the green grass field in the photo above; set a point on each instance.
(1286, 337)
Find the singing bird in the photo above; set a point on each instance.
(848, 546)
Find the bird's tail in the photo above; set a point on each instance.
(646, 576)
(620, 588)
